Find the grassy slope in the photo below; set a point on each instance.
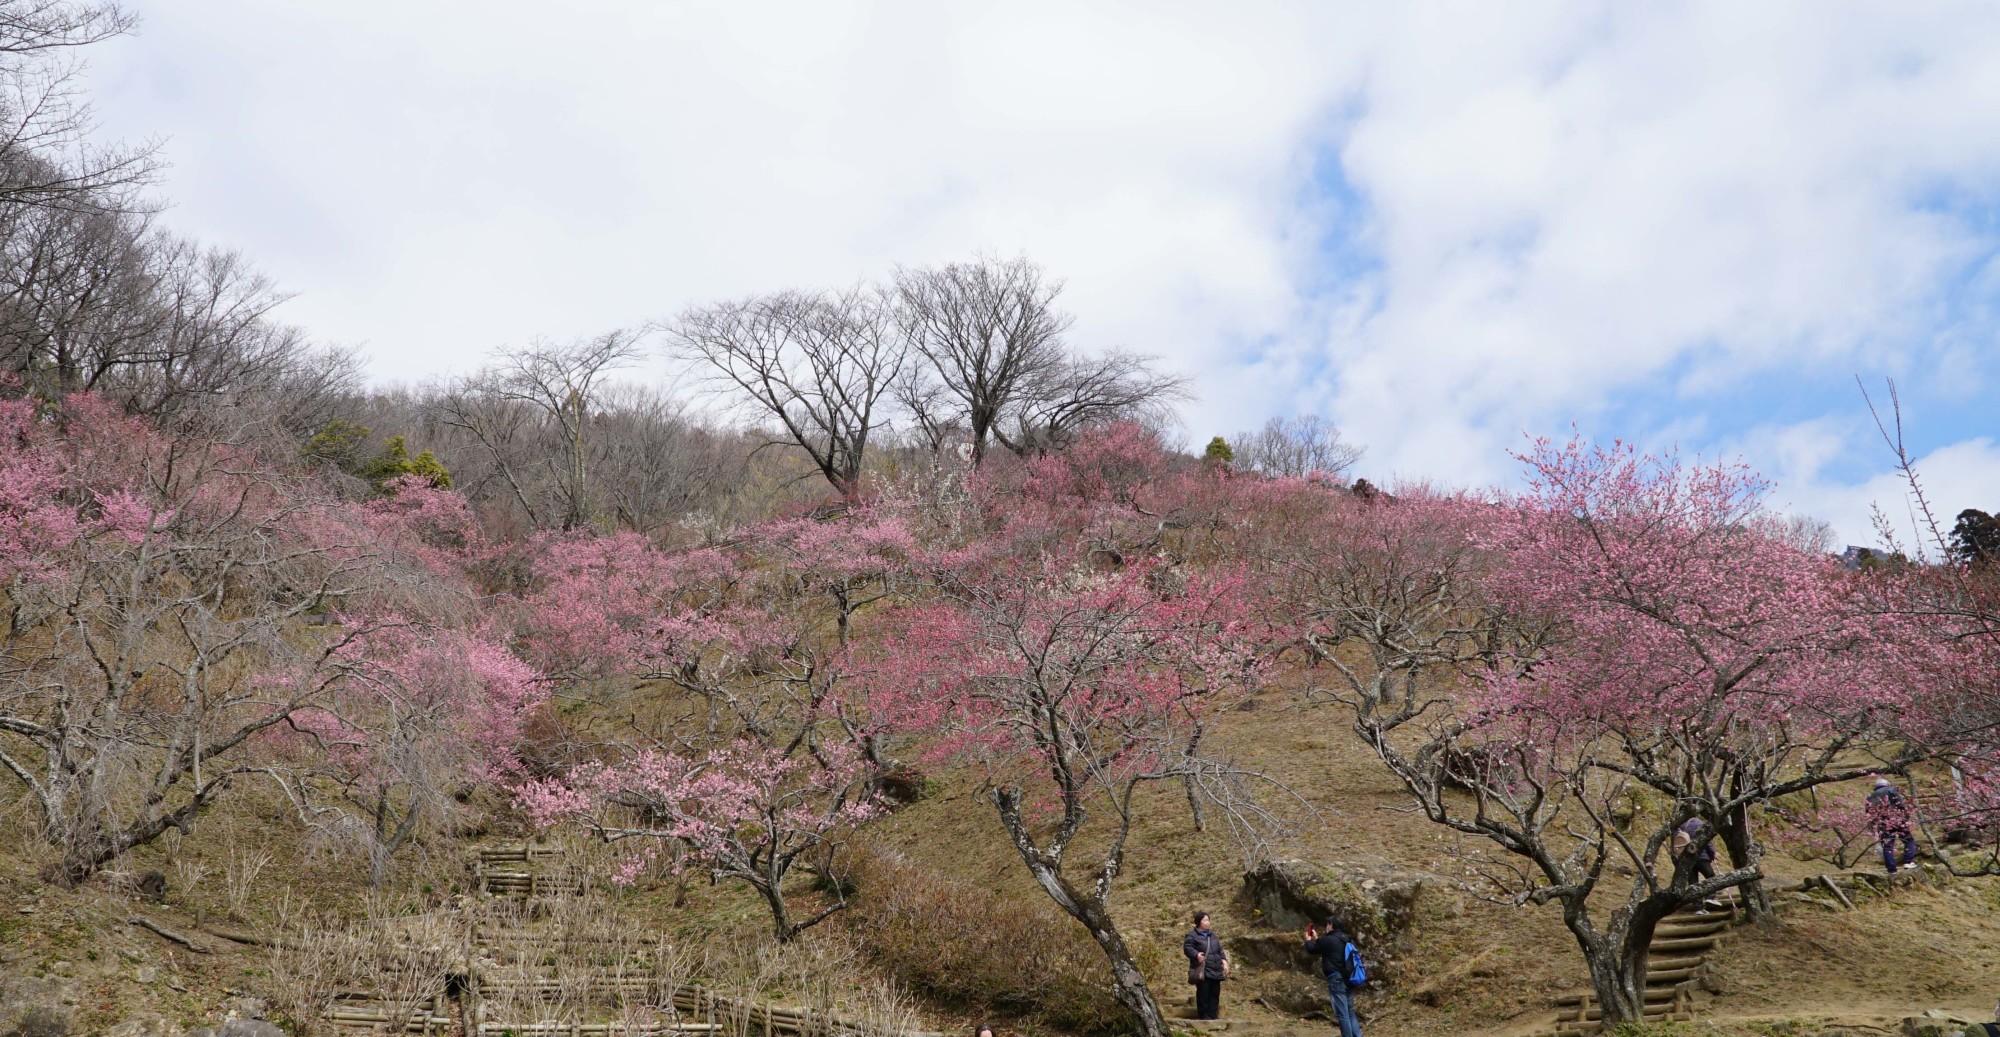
(1467, 965)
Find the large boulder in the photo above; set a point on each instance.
(31, 1007)
(1935, 1023)
(145, 1024)
(239, 1028)
(1292, 894)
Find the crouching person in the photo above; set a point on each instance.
(1340, 960)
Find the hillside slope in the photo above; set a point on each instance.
(1464, 964)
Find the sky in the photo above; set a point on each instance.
(1450, 228)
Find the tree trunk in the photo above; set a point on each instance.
(781, 917)
(1617, 957)
(1128, 983)
(1194, 803)
(1744, 853)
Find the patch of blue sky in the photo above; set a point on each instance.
(1942, 352)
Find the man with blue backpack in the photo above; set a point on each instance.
(1345, 973)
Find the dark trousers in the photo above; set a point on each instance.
(1889, 848)
(1343, 1006)
(1208, 999)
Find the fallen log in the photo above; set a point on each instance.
(148, 924)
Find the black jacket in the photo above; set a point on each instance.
(1198, 942)
(1332, 950)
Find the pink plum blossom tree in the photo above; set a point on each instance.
(741, 811)
(1628, 622)
(166, 621)
(1076, 689)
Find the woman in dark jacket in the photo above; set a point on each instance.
(1208, 966)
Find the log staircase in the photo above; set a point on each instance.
(1681, 946)
(505, 979)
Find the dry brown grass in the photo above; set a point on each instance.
(978, 950)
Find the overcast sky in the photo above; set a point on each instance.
(1445, 227)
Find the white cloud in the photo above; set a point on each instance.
(1802, 459)
(1677, 198)
(1561, 206)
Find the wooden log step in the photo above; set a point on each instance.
(1681, 961)
(418, 1022)
(523, 878)
(502, 854)
(1728, 906)
(614, 988)
(1714, 918)
(1670, 977)
(1653, 1012)
(1574, 1030)
(1684, 932)
(1694, 943)
(598, 1029)
(531, 942)
(1651, 996)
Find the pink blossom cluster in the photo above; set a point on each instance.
(734, 808)
(1681, 610)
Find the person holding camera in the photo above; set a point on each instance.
(1341, 961)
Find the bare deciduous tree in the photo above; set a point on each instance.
(46, 160)
(1082, 392)
(996, 366)
(817, 363)
(562, 382)
(1298, 447)
(655, 465)
(989, 330)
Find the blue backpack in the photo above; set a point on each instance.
(1357, 973)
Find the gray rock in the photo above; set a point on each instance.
(146, 974)
(146, 1024)
(1934, 1023)
(246, 1008)
(31, 1007)
(1295, 994)
(41, 1021)
(239, 1028)
(1292, 894)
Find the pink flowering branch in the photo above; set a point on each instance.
(743, 812)
(1075, 689)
